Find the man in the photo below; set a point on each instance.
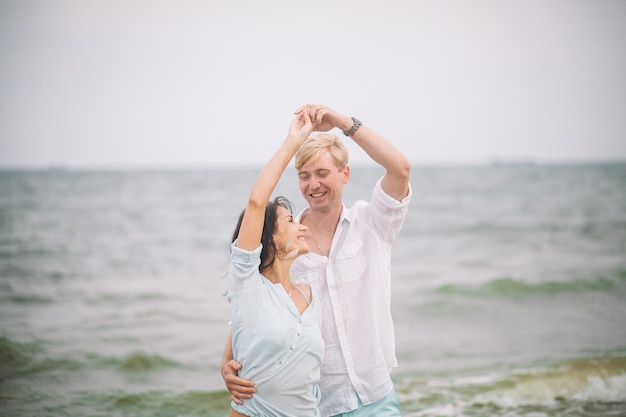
(349, 265)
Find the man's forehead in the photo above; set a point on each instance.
(323, 163)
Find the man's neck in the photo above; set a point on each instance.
(325, 220)
(321, 229)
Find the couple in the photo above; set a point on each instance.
(310, 296)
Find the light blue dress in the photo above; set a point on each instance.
(280, 350)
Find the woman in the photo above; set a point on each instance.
(275, 324)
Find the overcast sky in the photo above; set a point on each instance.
(189, 83)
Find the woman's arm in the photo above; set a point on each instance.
(252, 224)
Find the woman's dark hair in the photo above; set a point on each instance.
(269, 250)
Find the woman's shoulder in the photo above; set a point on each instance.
(244, 268)
(244, 258)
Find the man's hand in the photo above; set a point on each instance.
(239, 388)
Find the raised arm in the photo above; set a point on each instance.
(251, 229)
(397, 166)
(252, 223)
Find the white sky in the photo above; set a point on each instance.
(188, 83)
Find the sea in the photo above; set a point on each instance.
(508, 289)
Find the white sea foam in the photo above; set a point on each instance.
(608, 389)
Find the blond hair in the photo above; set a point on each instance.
(315, 146)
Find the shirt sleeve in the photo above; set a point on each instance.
(383, 198)
(244, 266)
(388, 213)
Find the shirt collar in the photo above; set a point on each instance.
(346, 214)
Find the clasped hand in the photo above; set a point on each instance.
(322, 117)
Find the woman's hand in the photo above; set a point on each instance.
(301, 126)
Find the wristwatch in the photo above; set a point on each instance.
(357, 124)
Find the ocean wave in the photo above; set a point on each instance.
(584, 380)
(595, 386)
(29, 358)
(161, 403)
(122, 298)
(15, 356)
(513, 288)
(135, 362)
(28, 299)
(153, 403)
(19, 359)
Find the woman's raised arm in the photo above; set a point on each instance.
(252, 223)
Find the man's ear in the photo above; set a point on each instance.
(346, 174)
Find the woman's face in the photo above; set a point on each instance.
(289, 236)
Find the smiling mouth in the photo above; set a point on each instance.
(318, 195)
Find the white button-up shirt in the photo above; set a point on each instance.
(354, 283)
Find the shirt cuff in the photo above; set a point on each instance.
(387, 200)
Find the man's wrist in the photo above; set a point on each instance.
(345, 124)
(356, 124)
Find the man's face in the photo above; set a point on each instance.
(321, 183)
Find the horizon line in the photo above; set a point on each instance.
(494, 162)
